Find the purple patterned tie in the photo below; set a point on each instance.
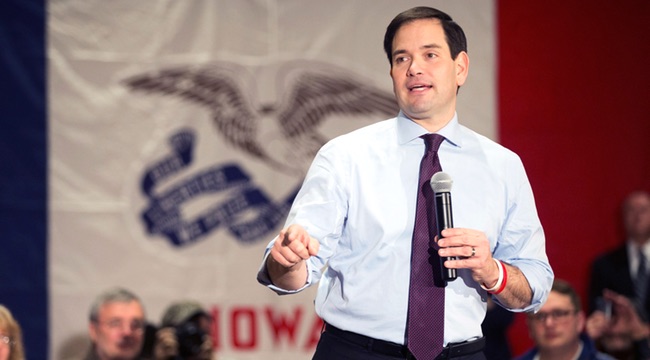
(425, 327)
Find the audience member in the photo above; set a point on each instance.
(557, 329)
(618, 330)
(184, 333)
(11, 341)
(624, 270)
(116, 328)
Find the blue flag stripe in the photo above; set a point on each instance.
(23, 170)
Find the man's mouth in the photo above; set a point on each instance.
(125, 345)
(419, 87)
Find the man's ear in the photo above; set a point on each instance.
(92, 331)
(462, 68)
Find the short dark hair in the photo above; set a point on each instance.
(454, 34)
(563, 287)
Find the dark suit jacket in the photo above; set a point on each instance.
(612, 271)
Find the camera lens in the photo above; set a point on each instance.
(190, 338)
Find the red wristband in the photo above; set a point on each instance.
(503, 284)
(496, 286)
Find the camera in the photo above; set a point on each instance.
(190, 338)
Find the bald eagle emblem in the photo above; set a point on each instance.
(283, 134)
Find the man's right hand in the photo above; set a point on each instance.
(286, 263)
(293, 246)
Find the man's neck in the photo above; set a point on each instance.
(569, 352)
(434, 123)
(640, 242)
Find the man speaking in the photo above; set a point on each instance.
(364, 224)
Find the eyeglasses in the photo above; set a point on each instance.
(7, 340)
(118, 324)
(556, 315)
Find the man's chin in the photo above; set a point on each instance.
(126, 354)
(416, 113)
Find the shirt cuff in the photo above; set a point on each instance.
(264, 278)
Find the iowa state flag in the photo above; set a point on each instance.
(171, 138)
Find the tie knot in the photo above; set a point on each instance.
(432, 141)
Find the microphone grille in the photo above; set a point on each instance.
(441, 182)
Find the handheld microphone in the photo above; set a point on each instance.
(441, 184)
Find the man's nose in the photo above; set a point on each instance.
(126, 329)
(414, 68)
(549, 321)
(130, 329)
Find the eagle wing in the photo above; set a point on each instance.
(231, 113)
(317, 96)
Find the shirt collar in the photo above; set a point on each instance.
(633, 248)
(408, 130)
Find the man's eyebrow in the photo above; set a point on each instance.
(431, 46)
(398, 52)
(427, 46)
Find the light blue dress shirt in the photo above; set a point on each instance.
(359, 198)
